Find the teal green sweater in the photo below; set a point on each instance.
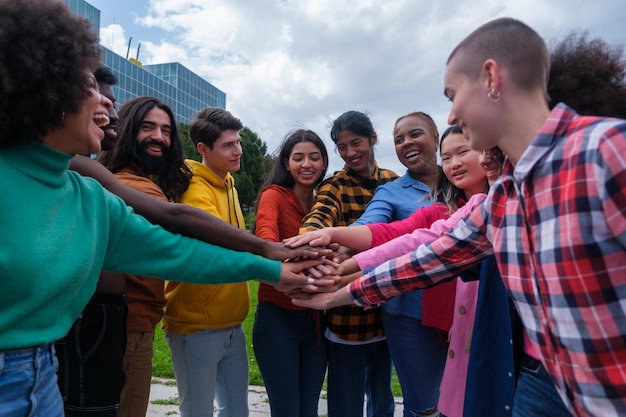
(58, 230)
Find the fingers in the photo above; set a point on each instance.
(313, 238)
(296, 241)
(306, 252)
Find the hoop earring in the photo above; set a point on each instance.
(494, 96)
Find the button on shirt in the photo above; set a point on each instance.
(557, 221)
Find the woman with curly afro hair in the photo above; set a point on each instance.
(59, 229)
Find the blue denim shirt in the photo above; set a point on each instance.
(397, 200)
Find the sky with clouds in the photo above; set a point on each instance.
(286, 64)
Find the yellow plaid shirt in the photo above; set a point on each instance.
(341, 200)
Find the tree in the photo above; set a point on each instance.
(253, 163)
(252, 173)
(189, 149)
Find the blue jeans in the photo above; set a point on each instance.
(353, 372)
(28, 383)
(291, 351)
(536, 394)
(211, 364)
(419, 356)
(90, 372)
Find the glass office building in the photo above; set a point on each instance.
(184, 91)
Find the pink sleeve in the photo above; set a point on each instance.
(409, 242)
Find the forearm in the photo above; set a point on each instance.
(177, 218)
(203, 226)
(356, 237)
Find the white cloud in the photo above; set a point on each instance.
(113, 37)
(300, 63)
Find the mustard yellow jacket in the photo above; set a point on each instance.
(193, 307)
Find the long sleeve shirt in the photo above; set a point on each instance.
(59, 230)
(193, 307)
(556, 223)
(279, 216)
(341, 200)
(394, 201)
(145, 294)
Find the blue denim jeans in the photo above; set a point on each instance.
(291, 351)
(536, 394)
(355, 371)
(419, 356)
(28, 383)
(91, 355)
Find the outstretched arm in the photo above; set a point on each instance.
(187, 220)
(325, 300)
(357, 237)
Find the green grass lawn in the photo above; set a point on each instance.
(162, 360)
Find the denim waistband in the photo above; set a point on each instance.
(26, 358)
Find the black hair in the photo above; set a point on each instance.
(281, 176)
(354, 121)
(47, 56)
(104, 75)
(444, 191)
(132, 114)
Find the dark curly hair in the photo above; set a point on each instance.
(46, 57)
(133, 112)
(588, 75)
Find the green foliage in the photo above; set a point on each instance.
(251, 175)
(189, 149)
(162, 357)
(255, 373)
(162, 360)
(255, 163)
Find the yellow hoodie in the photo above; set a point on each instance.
(193, 307)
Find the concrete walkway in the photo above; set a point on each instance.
(164, 401)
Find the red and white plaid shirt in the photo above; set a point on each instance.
(557, 226)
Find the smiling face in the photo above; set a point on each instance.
(306, 164)
(110, 130)
(81, 131)
(416, 146)
(471, 109)
(153, 141)
(357, 151)
(461, 166)
(225, 156)
(491, 160)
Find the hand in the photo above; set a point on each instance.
(319, 238)
(323, 301)
(341, 254)
(278, 251)
(292, 276)
(326, 268)
(348, 266)
(339, 283)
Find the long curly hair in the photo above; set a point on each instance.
(46, 57)
(588, 75)
(132, 113)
